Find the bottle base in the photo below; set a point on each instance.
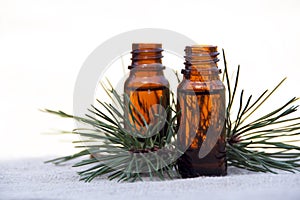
(187, 171)
(192, 173)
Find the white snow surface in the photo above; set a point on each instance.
(32, 179)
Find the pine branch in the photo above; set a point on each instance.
(259, 145)
(115, 151)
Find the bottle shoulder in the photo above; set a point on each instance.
(187, 84)
(146, 81)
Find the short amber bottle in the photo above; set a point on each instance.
(201, 100)
(146, 88)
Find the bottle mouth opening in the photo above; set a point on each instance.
(201, 48)
(146, 46)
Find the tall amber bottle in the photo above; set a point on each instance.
(201, 99)
(147, 88)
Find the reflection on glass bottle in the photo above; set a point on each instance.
(201, 100)
(148, 91)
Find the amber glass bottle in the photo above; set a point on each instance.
(147, 88)
(201, 99)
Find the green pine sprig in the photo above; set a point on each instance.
(111, 149)
(266, 144)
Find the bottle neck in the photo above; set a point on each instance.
(201, 63)
(146, 55)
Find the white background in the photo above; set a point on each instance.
(43, 44)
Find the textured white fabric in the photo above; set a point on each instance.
(32, 179)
